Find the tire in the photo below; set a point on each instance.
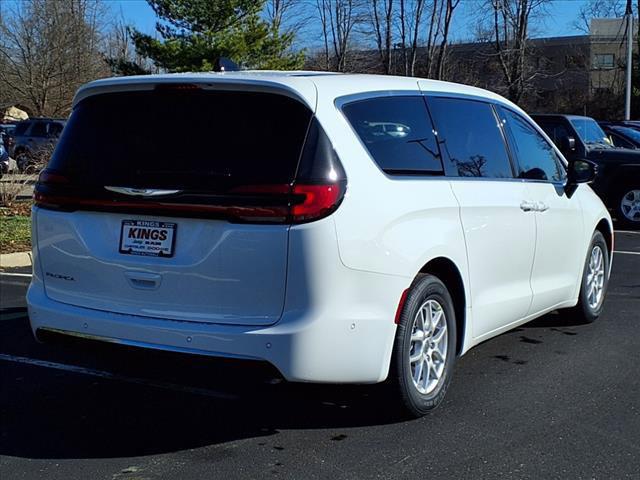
(627, 205)
(428, 296)
(22, 160)
(590, 303)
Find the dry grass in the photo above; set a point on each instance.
(11, 185)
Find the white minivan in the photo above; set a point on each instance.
(343, 228)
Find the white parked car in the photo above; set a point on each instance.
(289, 224)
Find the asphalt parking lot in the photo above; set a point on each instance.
(548, 400)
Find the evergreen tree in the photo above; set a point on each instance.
(194, 34)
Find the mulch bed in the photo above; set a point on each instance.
(17, 208)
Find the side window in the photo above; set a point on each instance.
(556, 132)
(398, 133)
(21, 129)
(470, 138)
(620, 142)
(39, 129)
(55, 129)
(536, 157)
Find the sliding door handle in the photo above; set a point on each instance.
(542, 207)
(528, 207)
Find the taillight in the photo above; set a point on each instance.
(47, 192)
(316, 201)
(51, 177)
(321, 181)
(305, 202)
(315, 192)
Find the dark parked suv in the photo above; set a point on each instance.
(618, 178)
(35, 139)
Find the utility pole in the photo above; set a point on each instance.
(627, 105)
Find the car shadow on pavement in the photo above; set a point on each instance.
(556, 320)
(53, 413)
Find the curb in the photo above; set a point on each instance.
(12, 260)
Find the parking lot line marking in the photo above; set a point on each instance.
(626, 253)
(113, 376)
(10, 274)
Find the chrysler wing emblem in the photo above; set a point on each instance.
(142, 192)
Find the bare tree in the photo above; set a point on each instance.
(288, 15)
(120, 53)
(49, 49)
(435, 22)
(598, 9)
(409, 25)
(510, 26)
(382, 20)
(338, 18)
(411, 17)
(449, 9)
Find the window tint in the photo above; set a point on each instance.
(620, 142)
(536, 157)
(556, 132)
(470, 138)
(398, 133)
(230, 138)
(589, 131)
(55, 129)
(628, 132)
(21, 128)
(39, 129)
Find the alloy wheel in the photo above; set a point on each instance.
(630, 205)
(429, 345)
(595, 278)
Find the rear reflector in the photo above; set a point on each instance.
(403, 300)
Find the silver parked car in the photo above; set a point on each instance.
(34, 140)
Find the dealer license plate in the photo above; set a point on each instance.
(149, 238)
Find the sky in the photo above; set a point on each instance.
(558, 20)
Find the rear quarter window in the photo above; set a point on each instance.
(398, 134)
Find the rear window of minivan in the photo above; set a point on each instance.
(187, 139)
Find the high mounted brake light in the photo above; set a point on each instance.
(177, 87)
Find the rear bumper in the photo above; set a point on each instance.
(305, 347)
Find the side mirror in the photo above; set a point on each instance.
(580, 171)
(568, 144)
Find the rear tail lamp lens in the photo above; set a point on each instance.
(316, 201)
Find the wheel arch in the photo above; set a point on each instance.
(605, 228)
(447, 271)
